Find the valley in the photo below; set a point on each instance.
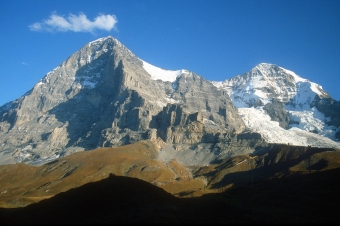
(128, 185)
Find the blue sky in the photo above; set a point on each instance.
(217, 39)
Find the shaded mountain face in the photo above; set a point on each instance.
(300, 199)
(276, 94)
(102, 96)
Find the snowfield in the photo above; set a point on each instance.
(159, 73)
(313, 121)
(273, 133)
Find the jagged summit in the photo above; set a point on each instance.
(267, 69)
(277, 95)
(104, 95)
(102, 40)
(265, 82)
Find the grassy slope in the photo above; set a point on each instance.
(23, 184)
(80, 189)
(301, 199)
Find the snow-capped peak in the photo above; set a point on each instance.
(162, 74)
(99, 40)
(267, 69)
(267, 81)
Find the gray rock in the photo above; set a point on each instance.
(331, 109)
(101, 96)
(277, 112)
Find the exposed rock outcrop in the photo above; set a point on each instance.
(331, 109)
(277, 112)
(102, 96)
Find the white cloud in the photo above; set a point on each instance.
(24, 63)
(75, 23)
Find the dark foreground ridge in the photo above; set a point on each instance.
(311, 198)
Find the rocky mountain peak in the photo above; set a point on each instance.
(273, 71)
(104, 95)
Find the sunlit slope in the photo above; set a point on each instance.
(23, 184)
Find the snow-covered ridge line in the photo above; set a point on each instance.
(162, 74)
(296, 77)
(284, 84)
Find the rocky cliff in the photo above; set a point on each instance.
(103, 96)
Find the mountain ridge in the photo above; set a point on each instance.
(299, 103)
(104, 96)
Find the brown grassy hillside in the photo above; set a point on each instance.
(278, 161)
(23, 184)
(283, 184)
(310, 198)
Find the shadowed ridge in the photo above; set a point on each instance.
(112, 199)
(22, 184)
(277, 161)
(310, 198)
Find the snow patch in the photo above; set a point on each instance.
(217, 84)
(312, 121)
(296, 77)
(316, 88)
(98, 40)
(303, 98)
(162, 74)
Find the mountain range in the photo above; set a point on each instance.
(105, 96)
(107, 137)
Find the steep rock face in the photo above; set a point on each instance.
(178, 126)
(192, 139)
(331, 109)
(68, 97)
(103, 96)
(276, 111)
(194, 92)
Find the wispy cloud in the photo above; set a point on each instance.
(24, 63)
(75, 23)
